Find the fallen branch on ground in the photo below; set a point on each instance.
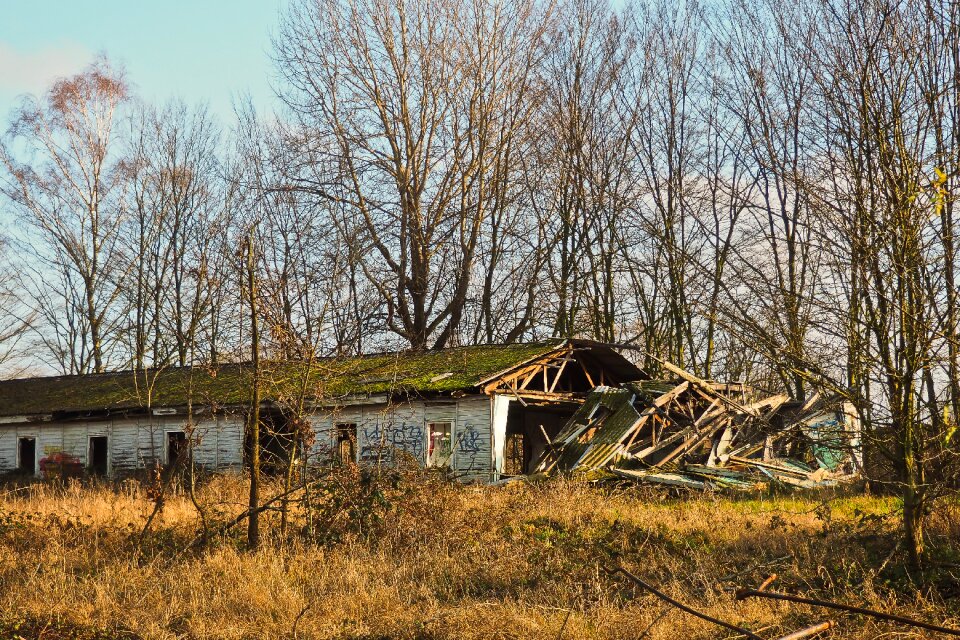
(756, 593)
(680, 605)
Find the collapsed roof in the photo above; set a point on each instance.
(693, 433)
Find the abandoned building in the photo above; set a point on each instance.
(482, 411)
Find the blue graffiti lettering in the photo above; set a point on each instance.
(469, 450)
(469, 441)
(381, 441)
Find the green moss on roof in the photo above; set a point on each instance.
(427, 372)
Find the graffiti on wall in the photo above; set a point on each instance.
(323, 449)
(381, 441)
(469, 450)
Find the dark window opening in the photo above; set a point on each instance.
(98, 457)
(346, 450)
(279, 444)
(176, 448)
(27, 456)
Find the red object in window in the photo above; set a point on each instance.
(61, 465)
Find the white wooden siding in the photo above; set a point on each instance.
(472, 453)
(132, 442)
(385, 429)
(8, 447)
(230, 431)
(321, 449)
(122, 443)
(382, 430)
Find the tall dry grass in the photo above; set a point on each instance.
(438, 560)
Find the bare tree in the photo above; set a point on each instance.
(670, 150)
(16, 318)
(64, 177)
(174, 217)
(768, 91)
(583, 180)
(408, 112)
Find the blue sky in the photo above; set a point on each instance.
(201, 50)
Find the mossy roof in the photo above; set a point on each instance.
(419, 373)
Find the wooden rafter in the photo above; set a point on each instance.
(519, 380)
(586, 373)
(660, 401)
(556, 379)
(526, 381)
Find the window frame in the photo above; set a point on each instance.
(430, 460)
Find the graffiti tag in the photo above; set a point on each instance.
(380, 441)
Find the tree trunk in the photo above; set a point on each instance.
(253, 524)
(913, 523)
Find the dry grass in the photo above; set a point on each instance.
(446, 561)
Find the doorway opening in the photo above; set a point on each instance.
(346, 450)
(176, 448)
(27, 456)
(98, 456)
(530, 431)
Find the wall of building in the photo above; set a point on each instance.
(132, 442)
(384, 429)
(381, 431)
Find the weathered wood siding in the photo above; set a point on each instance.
(132, 442)
(384, 429)
(473, 453)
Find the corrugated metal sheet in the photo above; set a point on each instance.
(605, 408)
(610, 432)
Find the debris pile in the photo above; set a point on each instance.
(694, 433)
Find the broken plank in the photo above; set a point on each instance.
(703, 384)
(660, 401)
(769, 465)
(669, 479)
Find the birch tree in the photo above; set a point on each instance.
(65, 178)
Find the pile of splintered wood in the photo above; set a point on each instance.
(698, 434)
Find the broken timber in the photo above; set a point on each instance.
(698, 434)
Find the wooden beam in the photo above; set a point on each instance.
(662, 400)
(586, 373)
(703, 384)
(521, 370)
(490, 382)
(530, 377)
(557, 378)
(560, 395)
